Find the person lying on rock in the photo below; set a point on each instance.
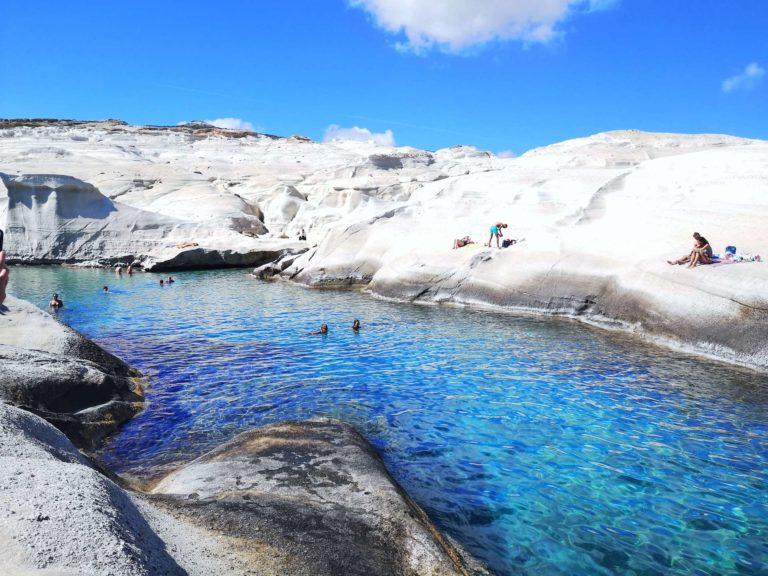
(700, 254)
(356, 325)
(323, 330)
(461, 242)
(3, 276)
(56, 302)
(496, 231)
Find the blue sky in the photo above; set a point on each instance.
(500, 75)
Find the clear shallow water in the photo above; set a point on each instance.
(543, 446)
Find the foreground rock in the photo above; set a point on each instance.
(310, 498)
(60, 516)
(53, 371)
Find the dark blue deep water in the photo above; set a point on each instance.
(543, 446)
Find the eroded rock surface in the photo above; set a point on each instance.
(311, 497)
(53, 371)
(60, 516)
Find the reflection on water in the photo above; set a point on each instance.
(543, 446)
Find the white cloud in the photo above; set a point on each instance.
(336, 132)
(454, 25)
(506, 154)
(746, 80)
(232, 124)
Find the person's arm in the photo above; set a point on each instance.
(3, 276)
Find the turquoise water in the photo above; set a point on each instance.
(543, 446)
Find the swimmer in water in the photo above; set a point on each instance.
(56, 302)
(323, 330)
(170, 280)
(105, 289)
(161, 282)
(356, 325)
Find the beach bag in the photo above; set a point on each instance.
(730, 249)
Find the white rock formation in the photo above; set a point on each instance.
(122, 191)
(599, 217)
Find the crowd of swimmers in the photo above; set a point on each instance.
(57, 302)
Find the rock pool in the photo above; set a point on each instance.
(543, 446)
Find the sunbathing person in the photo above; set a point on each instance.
(461, 242)
(700, 254)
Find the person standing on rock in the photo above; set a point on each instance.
(496, 231)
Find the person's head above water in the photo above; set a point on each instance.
(106, 289)
(162, 282)
(356, 325)
(323, 328)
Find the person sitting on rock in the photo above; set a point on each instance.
(461, 242)
(496, 231)
(56, 302)
(323, 330)
(700, 254)
(302, 235)
(356, 325)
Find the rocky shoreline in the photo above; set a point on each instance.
(595, 219)
(310, 497)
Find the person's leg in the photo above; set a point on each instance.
(497, 241)
(3, 277)
(695, 256)
(490, 239)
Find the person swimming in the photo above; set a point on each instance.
(323, 330)
(105, 289)
(356, 325)
(56, 302)
(170, 280)
(162, 282)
